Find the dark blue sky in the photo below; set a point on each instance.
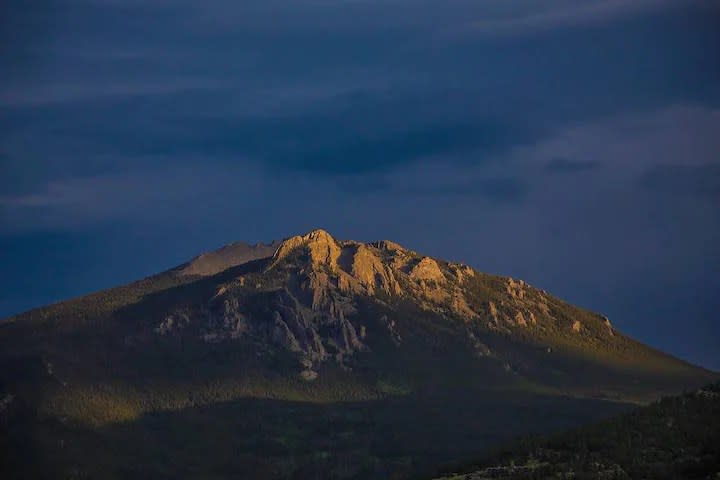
(573, 144)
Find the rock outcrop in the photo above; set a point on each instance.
(321, 247)
(427, 269)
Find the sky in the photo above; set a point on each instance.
(575, 145)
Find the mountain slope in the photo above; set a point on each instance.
(226, 257)
(318, 321)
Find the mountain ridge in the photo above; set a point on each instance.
(340, 268)
(359, 269)
(227, 256)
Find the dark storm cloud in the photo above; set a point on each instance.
(384, 92)
(354, 135)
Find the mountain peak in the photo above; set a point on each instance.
(323, 248)
(317, 289)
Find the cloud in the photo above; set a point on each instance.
(355, 134)
(626, 145)
(150, 194)
(671, 150)
(370, 91)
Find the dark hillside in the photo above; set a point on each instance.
(677, 437)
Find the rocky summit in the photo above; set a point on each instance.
(308, 297)
(311, 357)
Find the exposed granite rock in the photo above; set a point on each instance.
(462, 272)
(389, 246)
(516, 289)
(345, 337)
(229, 318)
(308, 375)
(479, 347)
(366, 272)
(608, 325)
(392, 329)
(282, 335)
(173, 323)
(460, 307)
(492, 309)
(543, 306)
(321, 246)
(299, 324)
(520, 319)
(427, 269)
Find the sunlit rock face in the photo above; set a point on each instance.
(427, 269)
(306, 298)
(322, 248)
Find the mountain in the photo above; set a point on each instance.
(309, 358)
(226, 257)
(676, 437)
